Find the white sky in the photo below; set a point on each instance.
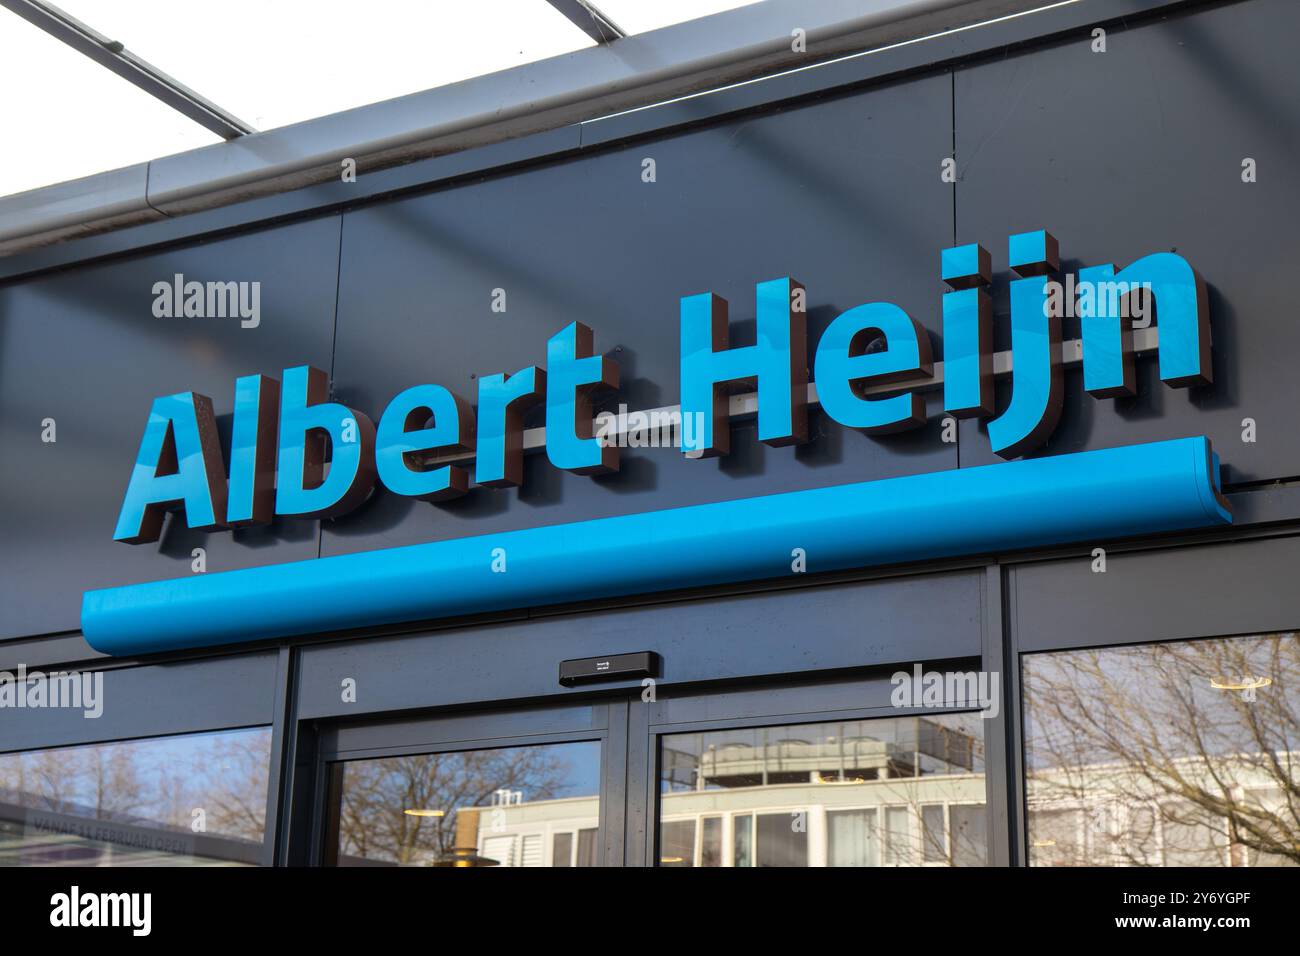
(269, 62)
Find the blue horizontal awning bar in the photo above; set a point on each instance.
(1088, 496)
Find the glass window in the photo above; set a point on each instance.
(1056, 837)
(1191, 836)
(1271, 805)
(192, 799)
(851, 838)
(782, 839)
(587, 847)
(711, 842)
(842, 793)
(562, 850)
(677, 843)
(934, 844)
(468, 808)
(743, 834)
(898, 837)
(1164, 754)
(968, 826)
(1141, 834)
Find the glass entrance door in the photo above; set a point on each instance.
(832, 773)
(824, 773)
(880, 791)
(517, 788)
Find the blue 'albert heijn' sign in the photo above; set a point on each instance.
(278, 463)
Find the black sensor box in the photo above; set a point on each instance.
(610, 667)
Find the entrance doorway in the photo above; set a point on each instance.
(816, 774)
(522, 787)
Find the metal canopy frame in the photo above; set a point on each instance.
(738, 55)
(112, 55)
(588, 18)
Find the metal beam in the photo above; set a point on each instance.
(114, 56)
(549, 94)
(589, 19)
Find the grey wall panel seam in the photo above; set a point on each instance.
(148, 173)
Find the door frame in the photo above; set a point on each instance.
(599, 720)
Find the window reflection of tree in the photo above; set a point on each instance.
(373, 822)
(184, 798)
(1133, 757)
(153, 782)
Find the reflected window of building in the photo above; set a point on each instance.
(510, 806)
(934, 836)
(1170, 754)
(852, 838)
(711, 842)
(898, 836)
(586, 847)
(562, 849)
(968, 827)
(895, 791)
(781, 839)
(677, 843)
(743, 840)
(188, 799)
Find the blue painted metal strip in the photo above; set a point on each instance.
(1089, 496)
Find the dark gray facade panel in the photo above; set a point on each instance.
(449, 731)
(843, 195)
(84, 348)
(1137, 150)
(178, 698)
(791, 702)
(1240, 587)
(797, 631)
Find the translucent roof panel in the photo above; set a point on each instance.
(65, 116)
(276, 62)
(638, 16)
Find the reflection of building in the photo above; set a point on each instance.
(196, 800)
(1112, 815)
(902, 791)
(795, 760)
(894, 791)
(545, 833)
(931, 820)
(766, 589)
(1149, 756)
(936, 820)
